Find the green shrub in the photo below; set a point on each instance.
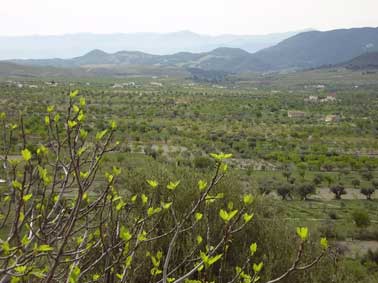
(361, 218)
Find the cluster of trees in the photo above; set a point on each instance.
(303, 189)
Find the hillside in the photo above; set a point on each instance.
(315, 48)
(364, 62)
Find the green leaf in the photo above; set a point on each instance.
(247, 217)
(215, 259)
(128, 261)
(84, 175)
(85, 197)
(324, 243)
(5, 247)
(50, 108)
(257, 267)
(248, 199)
(83, 133)
(21, 269)
(120, 205)
(47, 120)
(221, 156)
(25, 240)
(44, 176)
(71, 124)
(109, 177)
(224, 167)
(101, 134)
(43, 248)
(27, 197)
(125, 234)
(26, 154)
(199, 240)
(151, 211)
(21, 217)
(56, 118)
(153, 184)
(302, 232)
(116, 170)
(198, 216)
(82, 101)
(173, 185)
(166, 205)
(113, 125)
(16, 185)
(227, 216)
(74, 93)
(74, 276)
(42, 150)
(202, 185)
(142, 236)
(144, 199)
(253, 248)
(81, 116)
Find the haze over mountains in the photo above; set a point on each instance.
(302, 51)
(73, 45)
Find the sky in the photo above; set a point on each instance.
(214, 17)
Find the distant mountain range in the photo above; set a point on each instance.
(73, 45)
(302, 51)
(314, 48)
(233, 60)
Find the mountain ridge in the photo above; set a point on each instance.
(73, 45)
(306, 50)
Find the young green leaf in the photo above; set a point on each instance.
(248, 199)
(198, 216)
(202, 185)
(26, 154)
(302, 232)
(257, 267)
(74, 93)
(27, 197)
(324, 243)
(253, 248)
(125, 234)
(227, 216)
(247, 217)
(101, 134)
(173, 185)
(153, 184)
(144, 199)
(221, 156)
(71, 124)
(166, 205)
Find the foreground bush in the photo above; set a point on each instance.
(65, 222)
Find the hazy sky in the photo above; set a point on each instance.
(26, 17)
